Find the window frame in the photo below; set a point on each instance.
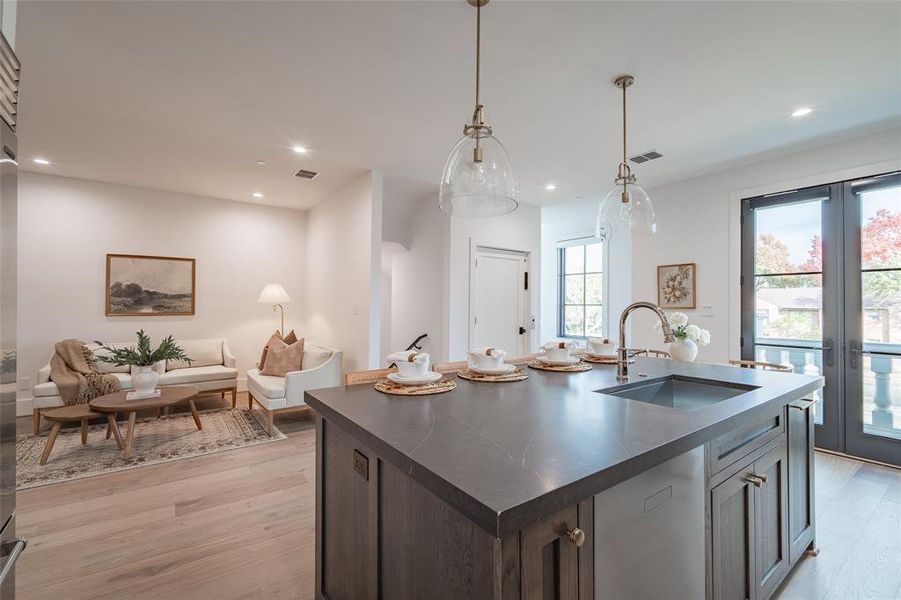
(562, 245)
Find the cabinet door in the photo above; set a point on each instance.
(732, 524)
(771, 520)
(801, 510)
(549, 567)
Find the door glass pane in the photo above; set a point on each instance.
(789, 238)
(880, 229)
(882, 395)
(788, 308)
(880, 279)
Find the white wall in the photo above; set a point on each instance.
(576, 220)
(419, 280)
(343, 267)
(520, 231)
(698, 222)
(67, 226)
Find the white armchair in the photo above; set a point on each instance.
(321, 367)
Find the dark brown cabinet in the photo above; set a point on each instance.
(749, 526)
(801, 510)
(732, 524)
(550, 552)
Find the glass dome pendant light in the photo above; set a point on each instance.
(478, 180)
(626, 204)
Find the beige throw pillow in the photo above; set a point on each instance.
(284, 359)
(277, 337)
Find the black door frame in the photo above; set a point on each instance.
(857, 441)
(829, 434)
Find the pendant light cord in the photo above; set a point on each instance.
(478, 49)
(624, 124)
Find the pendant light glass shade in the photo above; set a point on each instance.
(637, 214)
(478, 188)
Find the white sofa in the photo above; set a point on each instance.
(320, 368)
(212, 369)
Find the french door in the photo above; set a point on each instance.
(821, 291)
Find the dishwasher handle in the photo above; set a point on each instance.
(19, 546)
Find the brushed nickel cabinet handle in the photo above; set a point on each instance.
(760, 476)
(576, 536)
(802, 404)
(757, 481)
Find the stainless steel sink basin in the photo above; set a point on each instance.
(676, 391)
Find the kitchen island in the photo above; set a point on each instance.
(524, 489)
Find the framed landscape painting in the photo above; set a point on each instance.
(149, 286)
(677, 286)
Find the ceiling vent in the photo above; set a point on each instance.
(643, 158)
(304, 174)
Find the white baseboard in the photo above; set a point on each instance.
(23, 405)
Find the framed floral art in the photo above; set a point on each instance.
(677, 286)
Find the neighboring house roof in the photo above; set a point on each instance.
(810, 298)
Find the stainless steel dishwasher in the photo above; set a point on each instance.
(649, 533)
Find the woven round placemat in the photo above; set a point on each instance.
(576, 368)
(601, 360)
(398, 389)
(517, 375)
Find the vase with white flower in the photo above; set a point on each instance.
(688, 337)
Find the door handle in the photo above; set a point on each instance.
(19, 546)
(755, 479)
(522, 330)
(827, 352)
(854, 350)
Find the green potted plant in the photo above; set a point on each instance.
(141, 358)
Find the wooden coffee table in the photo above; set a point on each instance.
(111, 404)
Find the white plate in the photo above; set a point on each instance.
(560, 363)
(502, 370)
(429, 377)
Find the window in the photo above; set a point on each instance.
(581, 289)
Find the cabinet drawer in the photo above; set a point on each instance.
(744, 439)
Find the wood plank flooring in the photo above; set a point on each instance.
(239, 525)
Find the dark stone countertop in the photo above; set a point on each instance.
(508, 454)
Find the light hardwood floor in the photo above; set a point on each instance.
(239, 525)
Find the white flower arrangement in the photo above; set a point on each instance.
(683, 330)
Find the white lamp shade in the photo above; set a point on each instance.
(273, 293)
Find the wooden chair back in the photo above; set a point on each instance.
(756, 364)
(449, 367)
(521, 360)
(370, 376)
(649, 352)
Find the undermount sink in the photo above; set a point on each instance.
(676, 391)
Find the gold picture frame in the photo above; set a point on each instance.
(150, 286)
(677, 286)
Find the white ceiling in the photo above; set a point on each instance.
(187, 96)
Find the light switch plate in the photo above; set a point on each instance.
(706, 310)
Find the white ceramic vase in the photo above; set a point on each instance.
(144, 379)
(685, 350)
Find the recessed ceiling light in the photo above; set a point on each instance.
(550, 187)
(802, 112)
(258, 194)
(41, 161)
(261, 163)
(299, 149)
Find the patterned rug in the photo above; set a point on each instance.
(156, 441)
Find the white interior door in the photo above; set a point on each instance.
(499, 310)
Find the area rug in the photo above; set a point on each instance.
(156, 441)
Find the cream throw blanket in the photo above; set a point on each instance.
(72, 370)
